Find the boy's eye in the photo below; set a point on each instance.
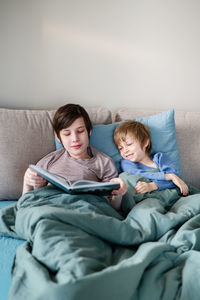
(81, 131)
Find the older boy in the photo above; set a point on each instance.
(77, 159)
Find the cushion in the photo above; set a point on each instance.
(25, 137)
(163, 133)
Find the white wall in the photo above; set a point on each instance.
(140, 54)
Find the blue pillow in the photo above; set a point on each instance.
(163, 134)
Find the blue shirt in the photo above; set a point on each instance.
(164, 166)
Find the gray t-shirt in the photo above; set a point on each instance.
(99, 167)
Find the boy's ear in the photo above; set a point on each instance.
(90, 133)
(146, 144)
(57, 136)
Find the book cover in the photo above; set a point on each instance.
(78, 186)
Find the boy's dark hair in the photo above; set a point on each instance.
(136, 129)
(67, 114)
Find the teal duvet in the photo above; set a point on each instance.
(79, 247)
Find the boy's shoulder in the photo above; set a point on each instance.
(55, 153)
(160, 155)
(161, 158)
(52, 156)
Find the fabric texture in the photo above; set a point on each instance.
(78, 247)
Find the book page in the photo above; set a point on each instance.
(83, 182)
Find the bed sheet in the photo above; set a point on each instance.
(8, 248)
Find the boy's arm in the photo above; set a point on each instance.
(179, 183)
(145, 187)
(116, 197)
(171, 174)
(132, 168)
(164, 164)
(164, 184)
(165, 179)
(162, 161)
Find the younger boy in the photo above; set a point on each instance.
(133, 140)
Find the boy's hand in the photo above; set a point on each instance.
(116, 197)
(145, 187)
(179, 183)
(32, 181)
(122, 189)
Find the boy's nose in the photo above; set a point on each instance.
(125, 149)
(74, 136)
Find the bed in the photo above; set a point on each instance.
(59, 246)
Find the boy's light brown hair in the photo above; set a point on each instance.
(136, 130)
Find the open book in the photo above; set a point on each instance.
(78, 186)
